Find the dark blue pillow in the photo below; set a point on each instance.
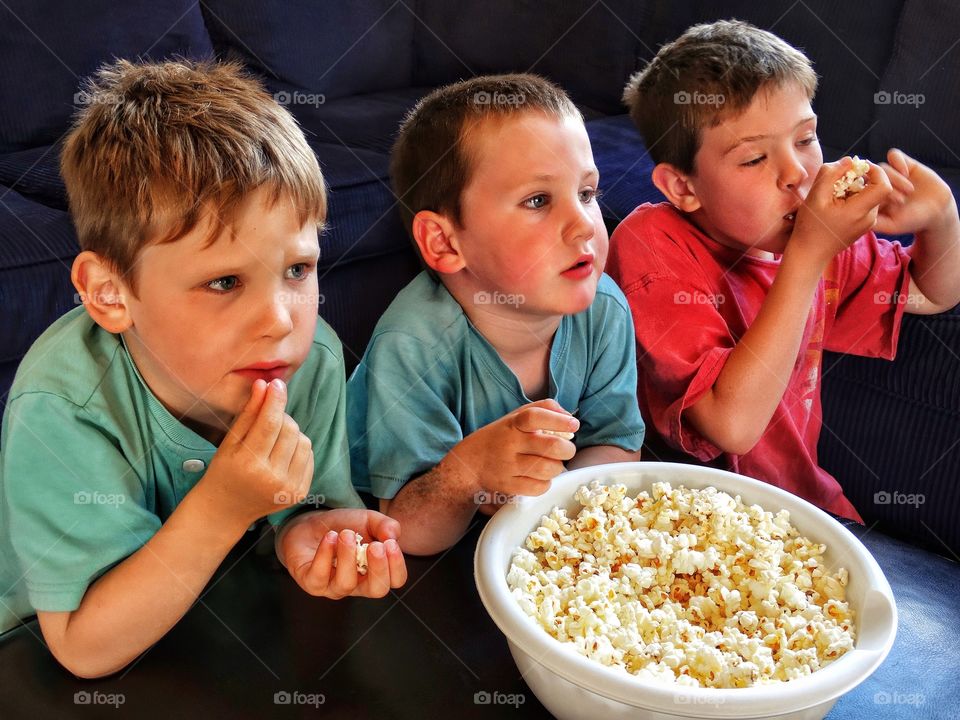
(917, 103)
(47, 47)
(590, 49)
(323, 50)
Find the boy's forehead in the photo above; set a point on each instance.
(484, 138)
(771, 111)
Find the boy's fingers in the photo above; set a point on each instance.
(396, 563)
(540, 418)
(382, 527)
(301, 466)
(269, 421)
(548, 403)
(286, 445)
(317, 578)
(377, 583)
(548, 446)
(529, 486)
(243, 421)
(345, 577)
(901, 162)
(539, 467)
(898, 181)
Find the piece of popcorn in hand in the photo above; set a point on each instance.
(361, 555)
(559, 433)
(853, 181)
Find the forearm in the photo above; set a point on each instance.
(734, 413)
(935, 268)
(435, 508)
(600, 455)
(134, 604)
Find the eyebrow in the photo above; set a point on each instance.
(546, 177)
(753, 138)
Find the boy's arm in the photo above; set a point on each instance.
(735, 411)
(922, 203)
(507, 456)
(263, 457)
(600, 455)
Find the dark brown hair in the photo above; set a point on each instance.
(710, 73)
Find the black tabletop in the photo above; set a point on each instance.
(256, 646)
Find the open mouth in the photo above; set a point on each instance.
(582, 268)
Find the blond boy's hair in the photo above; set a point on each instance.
(160, 147)
(431, 160)
(710, 73)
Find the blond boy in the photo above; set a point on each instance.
(195, 391)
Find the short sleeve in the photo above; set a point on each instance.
(867, 285)
(682, 343)
(609, 413)
(401, 418)
(74, 504)
(323, 420)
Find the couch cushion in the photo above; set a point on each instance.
(624, 167)
(369, 121)
(916, 104)
(891, 431)
(849, 51)
(37, 246)
(589, 49)
(35, 173)
(47, 47)
(327, 48)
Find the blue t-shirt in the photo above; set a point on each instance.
(429, 378)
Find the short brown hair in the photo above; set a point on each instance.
(431, 164)
(157, 146)
(708, 74)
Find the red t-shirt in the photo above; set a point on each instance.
(692, 299)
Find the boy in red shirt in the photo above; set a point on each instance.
(755, 266)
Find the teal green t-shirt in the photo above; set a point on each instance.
(428, 379)
(91, 463)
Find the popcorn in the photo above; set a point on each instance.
(361, 555)
(853, 180)
(690, 587)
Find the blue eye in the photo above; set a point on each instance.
(224, 284)
(298, 272)
(536, 202)
(588, 196)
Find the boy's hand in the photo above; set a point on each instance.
(826, 225)
(308, 544)
(510, 455)
(264, 463)
(920, 200)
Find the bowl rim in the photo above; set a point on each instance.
(615, 683)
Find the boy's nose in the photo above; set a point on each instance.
(792, 174)
(276, 318)
(581, 224)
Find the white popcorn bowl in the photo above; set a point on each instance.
(573, 686)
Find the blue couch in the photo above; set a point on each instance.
(349, 72)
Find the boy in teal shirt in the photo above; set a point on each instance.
(196, 391)
(513, 339)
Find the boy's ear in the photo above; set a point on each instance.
(102, 291)
(676, 186)
(434, 235)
